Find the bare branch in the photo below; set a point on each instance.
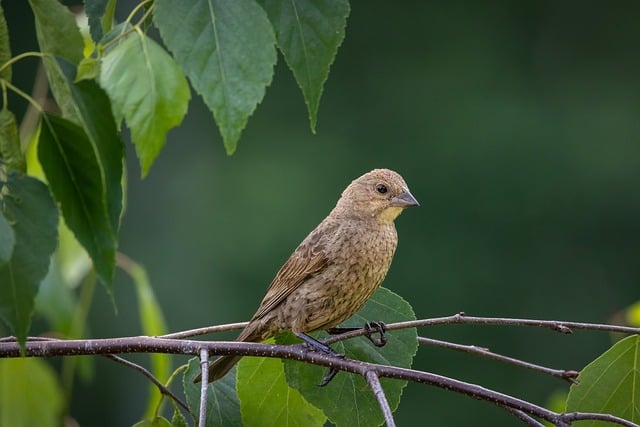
(569, 375)
(578, 416)
(463, 319)
(554, 325)
(204, 331)
(204, 368)
(163, 389)
(143, 344)
(526, 411)
(528, 420)
(378, 392)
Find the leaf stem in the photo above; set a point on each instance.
(19, 57)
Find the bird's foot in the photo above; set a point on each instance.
(379, 328)
(331, 373)
(314, 344)
(317, 345)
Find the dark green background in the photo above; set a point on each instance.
(515, 124)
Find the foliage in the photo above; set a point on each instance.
(109, 76)
(610, 384)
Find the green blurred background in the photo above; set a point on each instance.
(515, 124)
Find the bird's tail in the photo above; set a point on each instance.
(221, 366)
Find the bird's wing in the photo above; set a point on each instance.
(309, 259)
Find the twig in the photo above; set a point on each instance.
(579, 416)
(204, 331)
(163, 389)
(528, 420)
(204, 368)
(569, 375)
(554, 325)
(378, 392)
(462, 318)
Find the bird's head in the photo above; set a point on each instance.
(381, 194)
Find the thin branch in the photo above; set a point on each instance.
(378, 392)
(459, 318)
(527, 419)
(579, 416)
(569, 375)
(554, 325)
(204, 331)
(163, 389)
(462, 319)
(204, 368)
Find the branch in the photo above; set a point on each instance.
(462, 319)
(378, 392)
(143, 344)
(528, 420)
(204, 368)
(579, 416)
(163, 389)
(524, 410)
(569, 375)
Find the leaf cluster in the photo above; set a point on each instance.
(111, 75)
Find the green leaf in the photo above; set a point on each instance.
(7, 241)
(610, 384)
(148, 88)
(10, 152)
(5, 48)
(347, 399)
(57, 30)
(227, 49)
(100, 17)
(223, 406)
(178, 420)
(267, 400)
(73, 172)
(88, 69)
(309, 33)
(92, 110)
(58, 35)
(27, 205)
(29, 394)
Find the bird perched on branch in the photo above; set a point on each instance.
(335, 269)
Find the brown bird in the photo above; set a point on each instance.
(335, 269)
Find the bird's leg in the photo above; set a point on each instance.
(373, 328)
(314, 343)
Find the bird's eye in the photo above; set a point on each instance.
(381, 188)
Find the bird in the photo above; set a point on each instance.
(335, 269)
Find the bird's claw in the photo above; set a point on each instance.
(376, 328)
(331, 373)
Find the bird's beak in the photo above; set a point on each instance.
(404, 200)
